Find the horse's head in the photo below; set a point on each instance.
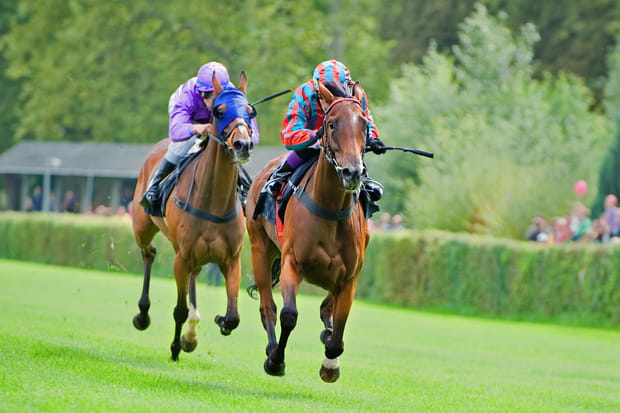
(345, 128)
(233, 116)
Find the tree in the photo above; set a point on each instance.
(575, 35)
(10, 88)
(108, 68)
(609, 174)
(507, 146)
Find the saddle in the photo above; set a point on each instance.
(273, 209)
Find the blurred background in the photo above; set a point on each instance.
(518, 99)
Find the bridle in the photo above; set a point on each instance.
(236, 108)
(222, 138)
(330, 156)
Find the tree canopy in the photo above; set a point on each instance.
(507, 146)
(104, 71)
(512, 87)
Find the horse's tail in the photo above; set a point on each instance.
(275, 278)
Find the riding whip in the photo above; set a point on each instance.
(275, 95)
(410, 150)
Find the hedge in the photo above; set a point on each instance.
(432, 270)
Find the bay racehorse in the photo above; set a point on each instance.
(324, 234)
(203, 220)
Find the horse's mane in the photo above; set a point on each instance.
(341, 91)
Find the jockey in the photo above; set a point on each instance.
(189, 109)
(302, 125)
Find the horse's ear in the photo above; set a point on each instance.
(217, 86)
(325, 93)
(357, 92)
(243, 82)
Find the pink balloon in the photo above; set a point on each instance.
(581, 187)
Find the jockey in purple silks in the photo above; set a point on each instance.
(302, 125)
(190, 109)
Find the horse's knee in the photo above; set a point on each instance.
(148, 254)
(180, 314)
(288, 318)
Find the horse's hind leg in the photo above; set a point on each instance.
(188, 340)
(182, 277)
(334, 345)
(232, 275)
(141, 321)
(263, 257)
(144, 231)
(289, 283)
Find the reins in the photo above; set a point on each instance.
(185, 205)
(303, 196)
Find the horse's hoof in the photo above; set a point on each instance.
(326, 335)
(329, 375)
(273, 369)
(141, 321)
(188, 346)
(226, 327)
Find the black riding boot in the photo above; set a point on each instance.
(152, 192)
(280, 175)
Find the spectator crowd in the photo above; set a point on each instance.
(386, 222)
(578, 226)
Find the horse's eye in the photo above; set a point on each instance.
(218, 112)
(331, 125)
(252, 111)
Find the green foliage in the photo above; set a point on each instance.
(104, 243)
(108, 69)
(610, 168)
(575, 37)
(479, 275)
(10, 88)
(507, 146)
(456, 273)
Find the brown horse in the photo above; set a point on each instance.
(204, 221)
(324, 238)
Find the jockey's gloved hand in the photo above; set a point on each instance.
(319, 133)
(376, 146)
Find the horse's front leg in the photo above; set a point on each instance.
(334, 344)
(232, 276)
(142, 320)
(289, 284)
(189, 340)
(181, 275)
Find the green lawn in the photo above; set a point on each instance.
(67, 344)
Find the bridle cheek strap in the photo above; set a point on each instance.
(329, 154)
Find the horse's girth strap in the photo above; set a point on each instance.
(320, 211)
(185, 206)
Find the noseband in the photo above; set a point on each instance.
(222, 138)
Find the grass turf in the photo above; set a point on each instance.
(68, 344)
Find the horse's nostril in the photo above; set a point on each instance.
(242, 146)
(351, 173)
